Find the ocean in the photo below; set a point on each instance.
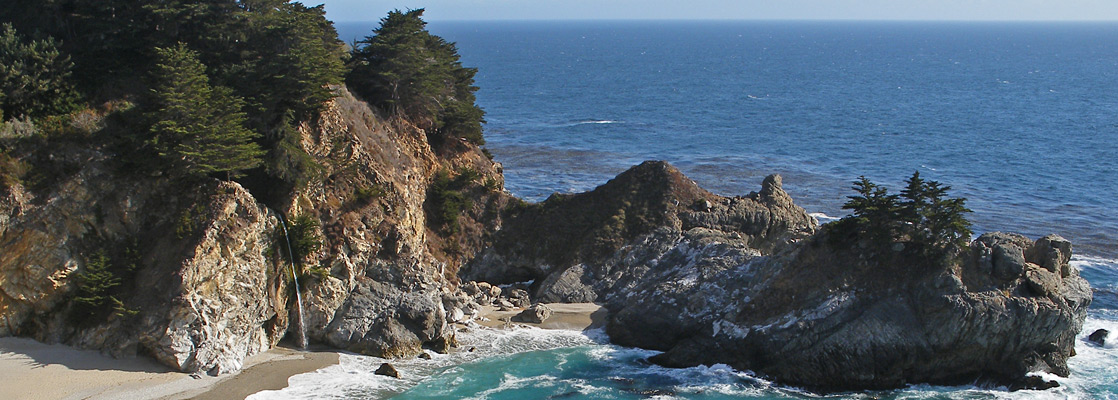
(1019, 118)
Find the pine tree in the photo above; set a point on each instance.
(937, 222)
(198, 129)
(406, 71)
(34, 76)
(876, 213)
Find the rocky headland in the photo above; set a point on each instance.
(752, 282)
(748, 281)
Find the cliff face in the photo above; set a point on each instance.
(747, 281)
(201, 280)
(204, 294)
(389, 264)
(751, 283)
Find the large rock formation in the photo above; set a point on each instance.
(597, 245)
(204, 293)
(389, 264)
(203, 284)
(749, 282)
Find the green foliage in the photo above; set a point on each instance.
(874, 211)
(34, 76)
(187, 222)
(447, 201)
(99, 285)
(287, 161)
(12, 170)
(467, 175)
(932, 223)
(366, 193)
(293, 55)
(407, 71)
(197, 129)
(491, 184)
(938, 222)
(281, 57)
(319, 272)
(302, 235)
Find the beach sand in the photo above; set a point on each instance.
(34, 370)
(567, 316)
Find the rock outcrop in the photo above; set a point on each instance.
(751, 283)
(597, 245)
(203, 292)
(203, 283)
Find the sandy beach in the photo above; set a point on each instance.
(568, 316)
(34, 370)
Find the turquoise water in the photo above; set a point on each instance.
(1018, 118)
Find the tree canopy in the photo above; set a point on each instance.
(281, 58)
(407, 71)
(922, 215)
(34, 76)
(198, 128)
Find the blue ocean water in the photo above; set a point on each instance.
(1019, 118)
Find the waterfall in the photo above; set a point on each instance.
(301, 340)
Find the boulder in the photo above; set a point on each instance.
(536, 314)
(1099, 337)
(519, 298)
(387, 369)
(1041, 281)
(381, 320)
(1033, 382)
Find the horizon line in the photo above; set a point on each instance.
(1111, 20)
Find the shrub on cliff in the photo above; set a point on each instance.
(301, 235)
(100, 282)
(446, 200)
(406, 71)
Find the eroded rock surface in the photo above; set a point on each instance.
(750, 282)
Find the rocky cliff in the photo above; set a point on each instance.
(202, 293)
(200, 278)
(750, 282)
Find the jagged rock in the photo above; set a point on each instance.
(387, 369)
(1033, 382)
(580, 247)
(536, 314)
(1053, 253)
(519, 298)
(425, 355)
(459, 307)
(443, 344)
(202, 290)
(208, 288)
(749, 283)
(1099, 337)
(1041, 281)
(503, 304)
(321, 300)
(381, 320)
(573, 285)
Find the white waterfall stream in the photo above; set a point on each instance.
(301, 340)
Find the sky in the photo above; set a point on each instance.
(953, 10)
